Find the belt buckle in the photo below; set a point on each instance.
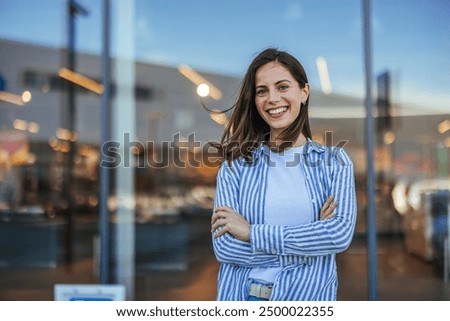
(260, 291)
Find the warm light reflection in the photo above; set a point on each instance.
(31, 159)
(81, 80)
(63, 147)
(33, 127)
(87, 151)
(444, 126)
(20, 124)
(203, 90)
(93, 200)
(59, 145)
(418, 188)
(399, 197)
(135, 150)
(53, 142)
(26, 96)
(197, 79)
(323, 75)
(221, 119)
(389, 138)
(11, 98)
(24, 125)
(65, 134)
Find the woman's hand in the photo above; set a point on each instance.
(327, 210)
(231, 222)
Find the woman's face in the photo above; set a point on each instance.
(278, 96)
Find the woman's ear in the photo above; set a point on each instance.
(305, 91)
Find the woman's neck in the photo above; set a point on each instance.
(275, 142)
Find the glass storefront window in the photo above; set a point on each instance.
(49, 195)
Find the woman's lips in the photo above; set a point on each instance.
(277, 112)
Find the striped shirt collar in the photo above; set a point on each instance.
(310, 146)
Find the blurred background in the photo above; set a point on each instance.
(163, 59)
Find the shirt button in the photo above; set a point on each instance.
(274, 252)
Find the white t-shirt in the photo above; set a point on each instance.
(287, 201)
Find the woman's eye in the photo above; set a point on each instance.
(261, 92)
(283, 87)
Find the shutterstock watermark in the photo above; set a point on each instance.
(181, 152)
(187, 152)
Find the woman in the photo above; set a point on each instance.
(277, 225)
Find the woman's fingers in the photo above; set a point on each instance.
(229, 221)
(219, 218)
(220, 212)
(217, 223)
(328, 214)
(328, 202)
(220, 232)
(327, 210)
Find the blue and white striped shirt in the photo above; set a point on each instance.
(306, 253)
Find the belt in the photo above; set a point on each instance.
(260, 291)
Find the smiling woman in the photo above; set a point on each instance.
(276, 225)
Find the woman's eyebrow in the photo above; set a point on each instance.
(283, 80)
(278, 82)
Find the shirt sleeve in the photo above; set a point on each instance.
(227, 248)
(321, 237)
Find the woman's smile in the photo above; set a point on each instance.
(277, 112)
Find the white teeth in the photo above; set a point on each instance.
(277, 110)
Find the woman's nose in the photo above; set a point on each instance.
(274, 97)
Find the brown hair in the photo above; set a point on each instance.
(246, 130)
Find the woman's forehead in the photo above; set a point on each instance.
(272, 72)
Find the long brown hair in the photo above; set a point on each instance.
(246, 129)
